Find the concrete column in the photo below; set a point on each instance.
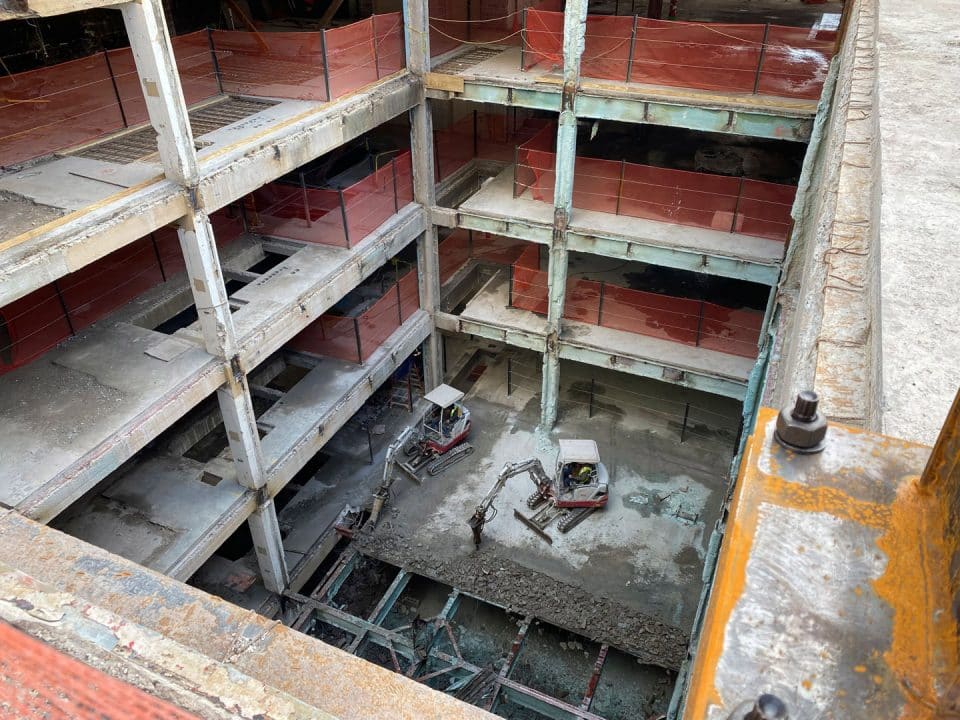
(156, 67)
(574, 26)
(417, 35)
(153, 54)
(268, 546)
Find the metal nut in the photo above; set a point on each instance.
(765, 707)
(801, 428)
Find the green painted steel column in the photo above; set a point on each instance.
(574, 26)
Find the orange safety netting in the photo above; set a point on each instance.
(274, 64)
(334, 217)
(460, 246)
(37, 322)
(683, 320)
(498, 22)
(718, 202)
(355, 339)
(52, 108)
(767, 59)
(481, 135)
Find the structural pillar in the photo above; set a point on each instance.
(167, 109)
(417, 34)
(574, 26)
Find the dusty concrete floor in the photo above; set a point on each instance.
(919, 88)
(21, 214)
(629, 575)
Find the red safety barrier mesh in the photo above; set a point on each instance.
(409, 295)
(194, 65)
(796, 61)
(55, 107)
(536, 166)
(691, 322)
(37, 322)
(709, 56)
(462, 245)
(498, 22)
(317, 215)
(717, 202)
(355, 339)
(773, 60)
(606, 51)
(484, 136)
(529, 289)
(274, 64)
(543, 38)
(30, 326)
(388, 36)
(351, 57)
(41, 682)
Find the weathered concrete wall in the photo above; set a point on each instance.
(829, 319)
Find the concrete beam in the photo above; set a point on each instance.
(324, 678)
(31, 9)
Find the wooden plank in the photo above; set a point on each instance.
(442, 81)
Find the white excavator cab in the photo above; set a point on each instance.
(447, 420)
(580, 476)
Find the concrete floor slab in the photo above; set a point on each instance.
(495, 200)
(155, 512)
(919, 85)
(78, 412)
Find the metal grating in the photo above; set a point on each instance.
(138, 144)
(468, 60)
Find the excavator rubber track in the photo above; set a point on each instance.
(536, 500)
(449, 458)
(572, 518)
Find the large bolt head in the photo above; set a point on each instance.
(801, 427)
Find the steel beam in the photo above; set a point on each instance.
(383, 607)
(728, 118)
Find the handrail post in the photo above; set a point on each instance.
(699, 324)
(510, 288)
(396, 193)
(116, 89)
(763, 51)
(356, 331)
(603, 285)
(399, 302)
(633, 45)
(523, 38)
(326, 64)
(516, 169)
(343, 217)
(623, 168)
(376, 49)
(736, 206)
(306, 200)
(216, 60)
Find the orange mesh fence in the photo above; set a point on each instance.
(55, 107)
(341, 218)
(677, 319)
(528, 284)
(796, 61)
(767, 59)
(606, 51)
(709, 56)
(388, 43)
(194, 65)
(271, 64)
(351, 57)
(409, 294)
(378, 322)
(462, 245)
(454, 252)
(717, 202)
(535, 170)
(499, 22)
(484, 136)
(30, 326)
(330, 335)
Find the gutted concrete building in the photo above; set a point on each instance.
(241, 243)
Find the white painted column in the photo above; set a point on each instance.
(156, 67)
(417, 36)
(574, 27)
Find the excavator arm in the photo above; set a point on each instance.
(383, 492)
(532, 466)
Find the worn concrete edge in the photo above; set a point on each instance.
(281, 660)
(828, 299)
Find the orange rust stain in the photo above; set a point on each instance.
(826, 500)
(860, 668)
(923, 652)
